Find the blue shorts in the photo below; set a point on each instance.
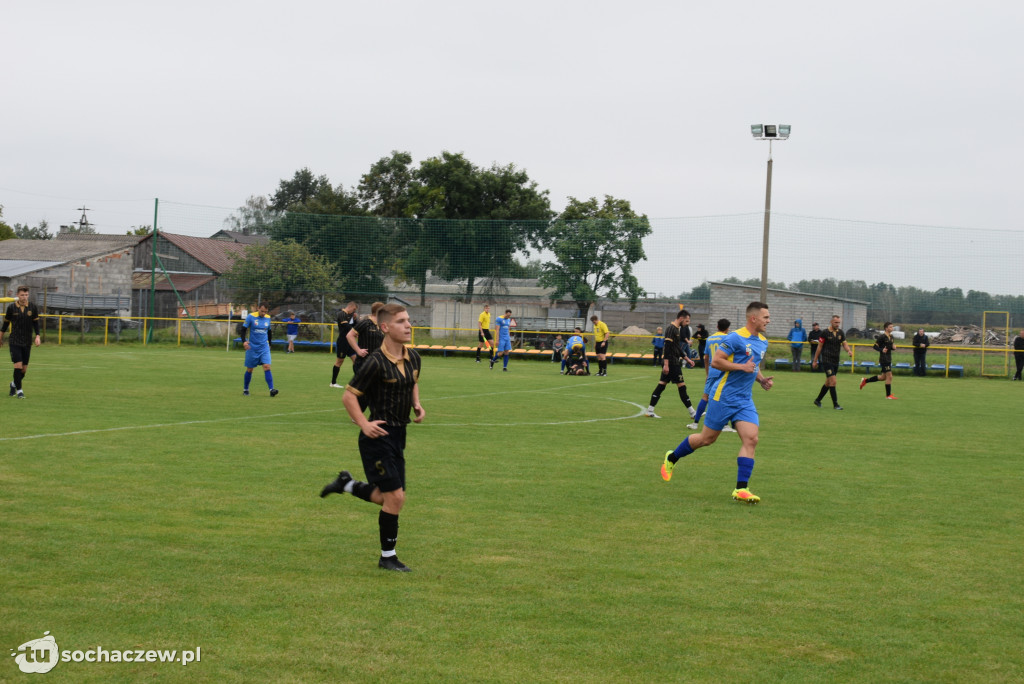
(257, 357)
(504, 346)
(719, 415)
(710, 383)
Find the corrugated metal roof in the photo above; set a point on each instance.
(11, 268)
(182, 281)
(219, 255)
(61, 251)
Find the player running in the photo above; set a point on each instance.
(884, 345)
(738, 358)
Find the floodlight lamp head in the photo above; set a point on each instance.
(770, 131)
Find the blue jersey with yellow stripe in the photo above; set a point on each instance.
(734, 387)
(711, 345)
(258, 326)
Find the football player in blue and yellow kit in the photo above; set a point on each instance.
(738, 358)
(503, 324)
(257, 347)
(712, 374)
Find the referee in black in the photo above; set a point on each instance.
(388, 379)
(21, 316)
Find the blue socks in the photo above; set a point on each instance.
(248, 379)
(269, 378)
(744, 467)
(684, 449)
(703, 404)
(506, 361)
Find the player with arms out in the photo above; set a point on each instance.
(738, 359)
(884, 345)
(257, 347)
(21, 318)
(388, 379)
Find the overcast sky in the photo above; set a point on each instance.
(906, 112)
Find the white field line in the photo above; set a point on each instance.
(184, 423)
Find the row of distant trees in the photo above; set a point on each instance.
(445, 216)
(910, 305)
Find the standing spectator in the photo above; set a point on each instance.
(387, 381)
(257, 347)
(556, 348)
(1018, 353)
(797, 336)
(659, 345)
(601, 338)
(814, 337)
(483, 331)
(832, 339)
(347, 319)
(291, 331)
(702, 336)
(884, 345)
(21, 316)
(920, 343)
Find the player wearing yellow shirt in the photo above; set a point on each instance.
(483, 332)
(601, 337)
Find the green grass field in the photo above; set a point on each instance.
(145, 504)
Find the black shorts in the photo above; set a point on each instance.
(20, 354)
(674, 375)
(829, 369)
(601, 347)
(886, 367)
(484, 335)
(342, 348)
(384, 459)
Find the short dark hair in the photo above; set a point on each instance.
(594, 317)
(23, 288)
(756, 306)
(388, 311)
(723, 324)
(682, 313)
(508, 310)
(886, 324)
(375, 307)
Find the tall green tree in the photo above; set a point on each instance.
(332, 224)
(595, 246)
(498, 211)
(255, 217)
(279, 271)
(301, 188)
(39, 232)
(385, 189)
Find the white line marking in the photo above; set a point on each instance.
(334, 410)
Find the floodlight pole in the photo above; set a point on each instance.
(767, 221)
